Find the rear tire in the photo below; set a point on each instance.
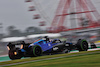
(82, 45)
(36, 50)
(12, 55)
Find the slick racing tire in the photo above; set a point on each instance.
(15, 54)
(36, 50)
(82, 45)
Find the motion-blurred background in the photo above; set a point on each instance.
(72, 19)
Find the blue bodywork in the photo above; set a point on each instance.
(45, 45)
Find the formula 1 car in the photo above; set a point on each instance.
(44, 47)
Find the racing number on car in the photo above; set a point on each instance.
(49, 44)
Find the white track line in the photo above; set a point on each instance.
(88, 50)
(50, 58)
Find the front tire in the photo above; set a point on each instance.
(82, 45)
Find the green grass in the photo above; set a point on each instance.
(80, 60)
(77, 61)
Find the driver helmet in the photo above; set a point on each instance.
(45, 38)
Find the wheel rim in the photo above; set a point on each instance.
(38, 51)
(85, 47)
(13, 56)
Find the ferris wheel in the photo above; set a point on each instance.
(44, 10)
(65, 15)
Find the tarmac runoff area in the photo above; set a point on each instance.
(6, 58)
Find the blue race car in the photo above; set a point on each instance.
(44, 47)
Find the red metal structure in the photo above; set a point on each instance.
(75, 8)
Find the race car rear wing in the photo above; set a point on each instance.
(16, 43)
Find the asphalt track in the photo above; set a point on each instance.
(6, 58)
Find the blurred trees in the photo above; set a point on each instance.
(11, 28)
(13, 32)
(34, 30)
(1, 31)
